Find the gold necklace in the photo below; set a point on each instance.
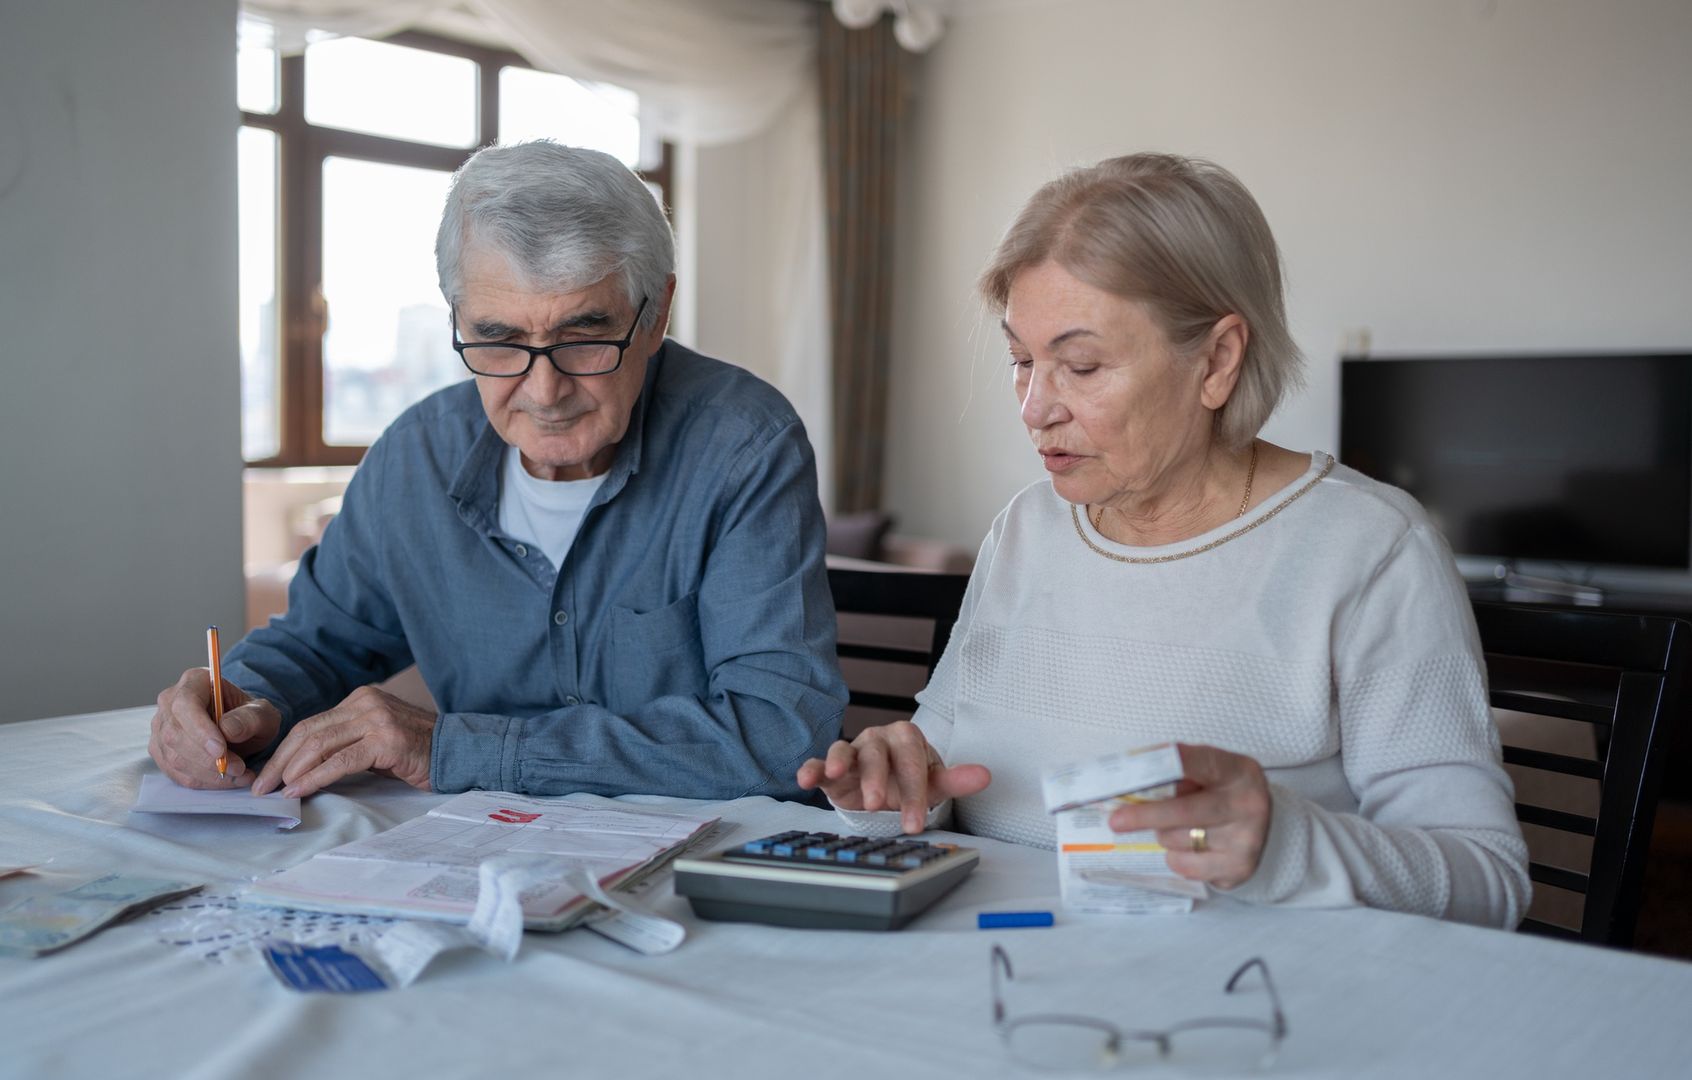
(1075, 517)
(1097, 515)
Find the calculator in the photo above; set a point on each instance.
(820, 880)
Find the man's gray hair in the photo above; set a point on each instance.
(564, 217)
(1184, 236)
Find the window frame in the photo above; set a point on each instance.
(301, 149)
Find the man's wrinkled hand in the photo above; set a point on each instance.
(370, 730)
(186, 743)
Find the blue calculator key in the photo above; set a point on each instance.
(756, 847)
(846, 855)
(781, 849)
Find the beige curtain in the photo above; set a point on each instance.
(863, 91)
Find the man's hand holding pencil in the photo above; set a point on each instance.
(187, 742)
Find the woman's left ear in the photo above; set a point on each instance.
(1224, 353)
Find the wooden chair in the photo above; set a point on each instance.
(1611, 686)
(893, 627)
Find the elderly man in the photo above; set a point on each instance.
(604, 554)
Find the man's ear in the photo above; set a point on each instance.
(1223, 353)
(664, 301)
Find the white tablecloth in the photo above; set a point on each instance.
(1366, 992)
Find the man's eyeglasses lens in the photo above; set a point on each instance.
(571, 359)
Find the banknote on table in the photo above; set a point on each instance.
(41, 924)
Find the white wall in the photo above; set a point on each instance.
(1450, 174)
(120, 449)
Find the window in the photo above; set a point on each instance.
(345, 155)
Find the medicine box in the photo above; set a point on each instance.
(1142, 773)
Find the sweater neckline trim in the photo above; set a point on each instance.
(1321, 465)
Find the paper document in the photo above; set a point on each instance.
(398, 957)
(1105, 872)
(41, 924)
(429, 866)
(1149, 772)
(162, 795)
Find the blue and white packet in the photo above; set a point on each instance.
(322, 968)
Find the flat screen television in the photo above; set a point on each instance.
(1565, 458)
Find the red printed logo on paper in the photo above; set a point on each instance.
(513, 817)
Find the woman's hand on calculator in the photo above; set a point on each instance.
(891, 767)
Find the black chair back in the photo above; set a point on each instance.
(893, 627)
(1619, 679)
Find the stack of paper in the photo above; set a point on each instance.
(427, 867)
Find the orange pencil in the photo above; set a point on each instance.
(215, 652)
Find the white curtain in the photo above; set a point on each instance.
(708, 72)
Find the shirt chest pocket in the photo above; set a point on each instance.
(658, 653)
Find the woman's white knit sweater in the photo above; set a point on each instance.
(1332, 641)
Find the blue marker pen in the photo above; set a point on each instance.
(1007, 920)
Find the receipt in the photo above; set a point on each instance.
(628, 925)
(398, 957)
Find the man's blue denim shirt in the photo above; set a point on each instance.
(686, 647)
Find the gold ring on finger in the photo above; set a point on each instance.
(1199, 838)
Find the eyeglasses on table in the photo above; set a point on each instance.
(1073, 1042)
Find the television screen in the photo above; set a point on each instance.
(1576, 458)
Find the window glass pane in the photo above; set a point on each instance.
(541, 105)
(256, 236)
(389, 342)
(391, 90)
(255, 79)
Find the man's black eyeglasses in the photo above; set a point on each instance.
(504, 360)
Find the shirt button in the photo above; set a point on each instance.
(572, 700)
(522, 551)
(560, 618)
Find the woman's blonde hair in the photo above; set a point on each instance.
(1184, 236)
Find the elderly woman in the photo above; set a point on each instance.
(1298, 627)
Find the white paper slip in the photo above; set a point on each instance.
(1109, 873)
(162, 795)
(623, 922)
(1141, 772)
(1168, 884)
